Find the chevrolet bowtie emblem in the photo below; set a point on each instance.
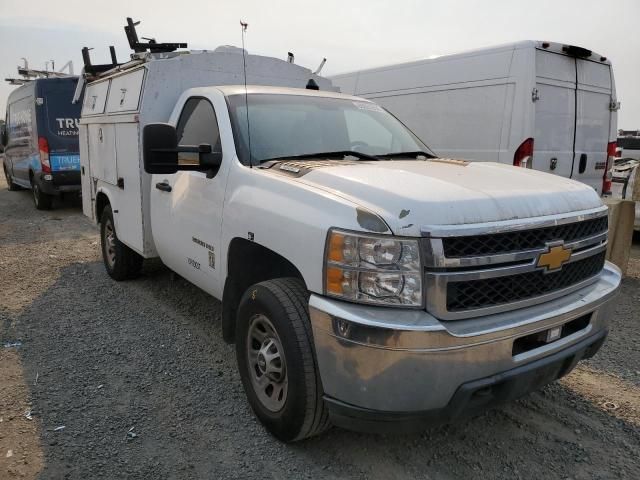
(554, 258)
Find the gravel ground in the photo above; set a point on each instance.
(145, 387)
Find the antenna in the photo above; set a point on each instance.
(317, 72)
(244, 26)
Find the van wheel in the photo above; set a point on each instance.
(41, 200)
(121, 262)
(12, 186)
(274, 350)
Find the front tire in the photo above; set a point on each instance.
(276, 360)
(12, 186)
(41, 200)
(121, 262)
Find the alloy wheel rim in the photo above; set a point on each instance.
(267, 364)
(110, 243)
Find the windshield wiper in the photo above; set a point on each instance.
(339, 154)
(414, 154)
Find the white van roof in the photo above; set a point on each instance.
(555, 47)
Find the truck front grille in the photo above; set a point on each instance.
(471, 246)
(489, 292)
(475, 270)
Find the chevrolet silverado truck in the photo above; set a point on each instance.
(365, 282)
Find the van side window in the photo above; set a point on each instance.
(198, 124)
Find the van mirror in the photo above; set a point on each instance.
(3, 136)
(161, 152)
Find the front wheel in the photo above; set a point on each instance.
(120, 261)
(12, 186)
(274, 350)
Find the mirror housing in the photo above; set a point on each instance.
(160, 152)
(3, 136)
(160, 148)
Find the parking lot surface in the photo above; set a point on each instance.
(133, 380)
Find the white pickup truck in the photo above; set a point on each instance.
(364, 282)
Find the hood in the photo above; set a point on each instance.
(409, 194)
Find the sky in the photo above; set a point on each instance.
(352, 35)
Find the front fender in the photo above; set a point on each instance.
(286, 216)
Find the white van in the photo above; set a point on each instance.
(540, 105)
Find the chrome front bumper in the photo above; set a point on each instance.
(389, 360)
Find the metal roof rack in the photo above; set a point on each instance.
(30, 74)
(139, 48)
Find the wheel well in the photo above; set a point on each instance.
(249, 263)
(101, 201)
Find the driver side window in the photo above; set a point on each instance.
(198, 124)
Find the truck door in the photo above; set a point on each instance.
(186, 207)
(555, 108)
(593, 118)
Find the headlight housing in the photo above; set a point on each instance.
(381, 270)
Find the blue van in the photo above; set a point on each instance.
(40, 139)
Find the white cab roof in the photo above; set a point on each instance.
(229, 90)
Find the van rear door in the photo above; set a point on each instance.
(593, 121)
(58, 123)
(573, 119)
(555, 113)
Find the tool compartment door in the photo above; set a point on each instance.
(124, 94)
(129, 216)
(95, 98)
(102, 152)
(593, 118)
(88, 195)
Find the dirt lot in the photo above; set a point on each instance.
(133, 380)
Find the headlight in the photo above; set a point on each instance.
(381, 270)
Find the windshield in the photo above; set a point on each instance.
(295, 125)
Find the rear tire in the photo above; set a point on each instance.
(12, 186)
(121, 262)
(41, 200)
(274, 350)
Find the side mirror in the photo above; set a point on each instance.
(160, 151)
(3, 136)
(160, 148)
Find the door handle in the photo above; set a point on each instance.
(583, 163)
(164, 186)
